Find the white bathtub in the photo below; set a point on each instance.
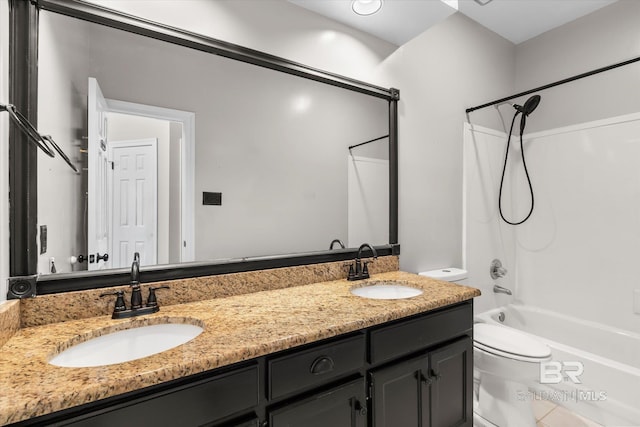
(609, 392)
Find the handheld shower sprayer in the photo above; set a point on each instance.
(529, 106)
(524, 110)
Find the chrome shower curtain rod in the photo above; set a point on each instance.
(43, 142)
(558, 83)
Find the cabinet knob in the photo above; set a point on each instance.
(360, 408)
(423, 379)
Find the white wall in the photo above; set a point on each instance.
(452, 66)
(274, 26)
(607, 36)
(4, 149)
(61, 192)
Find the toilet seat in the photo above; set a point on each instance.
(510, 343)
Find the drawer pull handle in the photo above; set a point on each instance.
(322, 365)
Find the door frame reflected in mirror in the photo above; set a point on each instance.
(187, 162)
(23, 161)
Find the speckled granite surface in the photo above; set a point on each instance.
(237, 328)
(67, 306)
(9, 320)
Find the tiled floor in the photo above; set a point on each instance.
(548, 414)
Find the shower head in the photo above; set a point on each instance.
(526, 109)
(528, 106)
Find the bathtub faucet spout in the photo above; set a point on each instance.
(500, 290)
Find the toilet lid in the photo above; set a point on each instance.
(508, 340)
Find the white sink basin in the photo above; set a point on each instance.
(386, 290)
(126, 345)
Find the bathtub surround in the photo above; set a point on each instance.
(54, 308)
(559, 259)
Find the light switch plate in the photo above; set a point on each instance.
(636, 301)
(43, 239)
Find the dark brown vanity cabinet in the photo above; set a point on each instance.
(418, 372)
(425, 373)
(433, 389)
(412, 372)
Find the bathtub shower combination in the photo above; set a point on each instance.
(567, 264)
(600, 365)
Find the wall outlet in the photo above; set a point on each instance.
(636, 301)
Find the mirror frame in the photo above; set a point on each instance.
(23, 195)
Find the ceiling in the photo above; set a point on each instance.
(401, 20)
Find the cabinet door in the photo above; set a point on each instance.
(400, 394)
(452, 387)
(342, 406)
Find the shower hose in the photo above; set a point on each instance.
(526, 172)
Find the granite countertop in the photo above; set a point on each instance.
(236, 328)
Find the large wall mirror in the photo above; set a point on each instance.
(200, 162)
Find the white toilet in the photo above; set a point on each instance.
(506, 361)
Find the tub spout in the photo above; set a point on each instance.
(500, 290)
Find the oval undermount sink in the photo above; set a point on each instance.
(126, 345)
(386, 290)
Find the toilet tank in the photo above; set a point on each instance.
(449, 274)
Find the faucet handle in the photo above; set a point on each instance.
(496, 270)
(152, 301)
(352, 272)
(365, 269)
(120, 305)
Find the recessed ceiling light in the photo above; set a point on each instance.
(482, 2)
(366, 7)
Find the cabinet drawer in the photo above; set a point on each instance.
(315, 366)
(389, 342)
(200, 403)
